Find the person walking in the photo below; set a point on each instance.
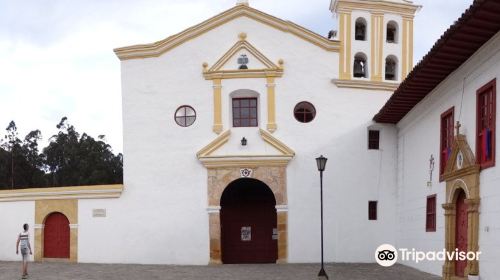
(24, 239)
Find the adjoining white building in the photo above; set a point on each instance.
(237, 108)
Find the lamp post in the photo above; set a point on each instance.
(321, 162)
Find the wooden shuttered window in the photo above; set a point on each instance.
(372, 210)
(373, 139)
(430, 219)
(485, 125)
(447, 136)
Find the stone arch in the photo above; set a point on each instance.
(219, 178)
(273, 177)
(461, 178)
(67, 207)
(458, 185)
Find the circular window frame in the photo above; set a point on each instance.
(303, 120)
(185, 117)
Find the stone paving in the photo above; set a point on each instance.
(53, 271)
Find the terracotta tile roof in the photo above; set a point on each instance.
(474, 28)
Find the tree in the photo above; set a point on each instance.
(68, 160)
(81, 160)
(11, 145)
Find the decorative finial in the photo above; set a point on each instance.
(458, 127)
(242, 2)
(281, 63)
(242, 36)
(205, 67)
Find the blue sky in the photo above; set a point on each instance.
(56, 56)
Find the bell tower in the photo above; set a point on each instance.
(376, 38)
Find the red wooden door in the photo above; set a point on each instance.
(56, 236)
(248, 224)
(461, 233)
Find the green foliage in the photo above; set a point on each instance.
(68, 160)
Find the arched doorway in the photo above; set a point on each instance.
(56, 234)
(461, 232)
(248, 223)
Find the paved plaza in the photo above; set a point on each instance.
(52, 271)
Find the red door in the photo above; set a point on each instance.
(461, 233)
(248, 221)
(56, 236)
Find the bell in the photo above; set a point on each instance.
(390, 71)
(359, 71)
(360, 32)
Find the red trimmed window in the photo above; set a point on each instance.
(372, 210)
(244, 112)
(447, 132)
(373, 139)
(485, 126)
(430, 219)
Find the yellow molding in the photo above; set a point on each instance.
(204, 155)
(160, 47)
(68, 207)
(217, 85)
(214, 145)
(345, 46)
(76, 192)
(245, 161)
(380, 6)
(280, 146)
(377, 46)
(242, 44)
(271, 105)
(407, 50)
(243, 74)
(365, 84)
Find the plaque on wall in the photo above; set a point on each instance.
(98, 213)
(246, 233)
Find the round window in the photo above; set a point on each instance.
(185, 116)
(304, 112)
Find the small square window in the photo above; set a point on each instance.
(245, 112)
(372, 210)
(373, 139)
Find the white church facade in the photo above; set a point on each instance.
(222, 124)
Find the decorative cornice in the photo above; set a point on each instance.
(217, 161)
(243, 73)
(160, 47)
(273, 141)
(406, 9)
(214, 145)
(242, 44)
(362, 84)
(251, 161)
(80, 192)
(216, 71)
(470, 167)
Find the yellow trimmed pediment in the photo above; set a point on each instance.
(160, 47)
(462, 160)
(210, 158)
(257, 65)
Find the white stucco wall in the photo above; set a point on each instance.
(166, 185)
(418, 138)
(13, 215)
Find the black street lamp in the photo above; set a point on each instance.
(321, 162)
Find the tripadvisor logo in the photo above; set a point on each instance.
(387, 255)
